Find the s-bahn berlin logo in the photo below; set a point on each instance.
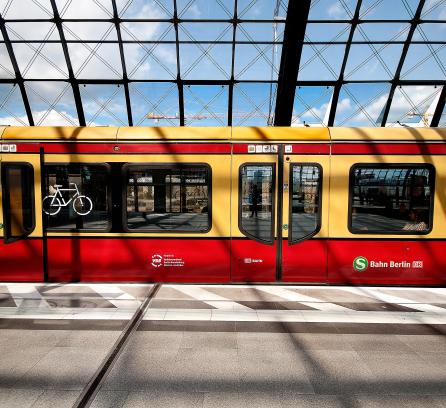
(360, 264)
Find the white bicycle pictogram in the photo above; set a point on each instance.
(51, 204)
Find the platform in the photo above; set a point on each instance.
(221, 346)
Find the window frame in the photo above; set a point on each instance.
(431, 181)
(8, 239)
(292, 241)
(108, 198)
(273, 203)
(167, 166)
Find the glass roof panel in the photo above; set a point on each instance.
(361, 104)
(381, 10)
(25, 9)
(206, 105)
(6, 69)
(95, 60)
(41, 60)
(261, 9)
(266, 32)
(443, 118)
(12, 110)
(205, 61)
(84, 8)
(254, 104)
(327, 32)
(381, 32)
(41, 31)
(151, 61)
(434, 10)
(372, 62)
(105, 103)
(52, 103)
(430, 32)
(145, 9)
(311, 105)
(332, 9)
(321, 62)
(154, 104)
(205, 9)
(425, 62)
(147, 31)
(205, 31)
(90, 31)
(413, 105)
(257, 61)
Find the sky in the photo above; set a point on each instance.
(205, 53)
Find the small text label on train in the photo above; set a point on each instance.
(167, 260)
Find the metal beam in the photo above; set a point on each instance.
(416, 20)
(338, 86)
(116, 21)
(439, 109)
(18, 75)
(231, 83)
(72, 78)
(293, 39)
(176, 21)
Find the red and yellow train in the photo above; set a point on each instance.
(305, 205)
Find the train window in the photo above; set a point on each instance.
(391, 199)
(256, 201)
(18, 200)
(77, 197)
(168, 198)
(305, 201)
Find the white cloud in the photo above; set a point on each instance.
(336, 10)
(52, 119)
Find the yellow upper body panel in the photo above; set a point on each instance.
(236, 134)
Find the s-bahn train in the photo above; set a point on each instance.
(304, 205)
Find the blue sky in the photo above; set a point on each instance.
(52, 101)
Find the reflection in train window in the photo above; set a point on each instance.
(256, 205)
(392, 199)
(77, 197)
(305, 196)
(173, 198)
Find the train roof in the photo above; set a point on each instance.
(254, 134)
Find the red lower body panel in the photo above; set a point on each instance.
(387, 262)
(253, 261)
(21, 261)
(305, 261)
(138, 260)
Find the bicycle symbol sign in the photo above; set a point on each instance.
(82, 205)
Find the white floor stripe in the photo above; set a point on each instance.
(115, 295)
(25, 291)
(209, 298)
(290, 295)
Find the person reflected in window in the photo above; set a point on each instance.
(416, 222)
(255, 196)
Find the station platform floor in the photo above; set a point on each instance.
(137, 345)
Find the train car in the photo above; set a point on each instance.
(227, 205)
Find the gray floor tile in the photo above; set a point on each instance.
(109, 399)
(56, 399)
(217, 341)
(241, 400)
(377, 342)
(18, 398)
(292, 399)
(396, 401)
(90, 339)
(164, 399)
(156, 340)
(425, 343)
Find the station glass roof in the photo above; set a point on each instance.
(223, 62)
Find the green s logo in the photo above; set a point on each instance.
(360, 264)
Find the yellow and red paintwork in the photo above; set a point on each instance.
(217, 256)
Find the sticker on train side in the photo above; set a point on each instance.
(361, 264)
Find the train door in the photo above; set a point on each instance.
(21, 251)
(277, 211)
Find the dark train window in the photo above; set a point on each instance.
(77, 197)
(173, 198)
(256, 201)
(18, 200)
(305, 200)
(391, 199)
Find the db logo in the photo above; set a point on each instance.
(157, 260)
